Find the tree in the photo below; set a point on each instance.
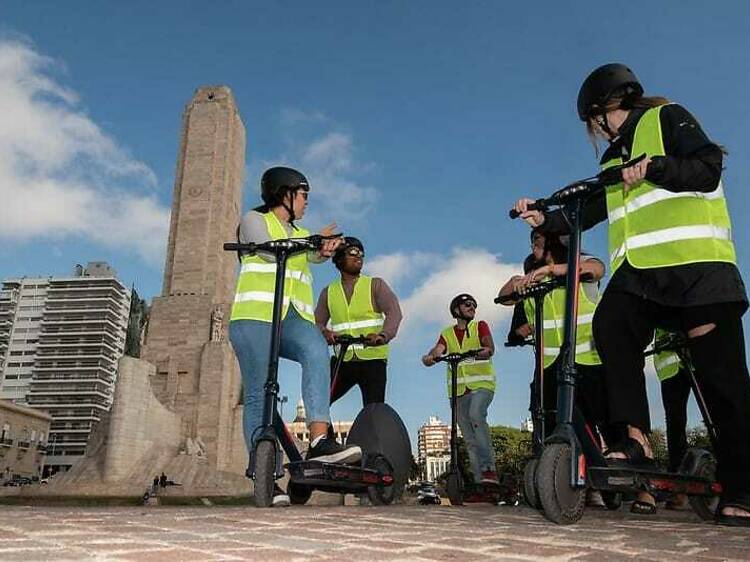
(137, 320)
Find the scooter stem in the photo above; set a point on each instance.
(272, 380)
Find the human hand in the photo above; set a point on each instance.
(524, 331)
(484, 353)
(428, 360)
(330, 336)
(532, 218)
(328, 246)
(635, 173)
(374, 339)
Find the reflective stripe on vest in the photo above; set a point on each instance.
(554, 321)
(253, 299)
(667, 363)
(654, 227)
(475, 373)
(356, 317)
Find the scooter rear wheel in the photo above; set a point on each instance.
(299, 494)
(265, 473)
(701, 463)
(453, 487)
(561, 503)
(380, 494)
(530, 492)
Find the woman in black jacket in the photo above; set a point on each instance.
(673, 265)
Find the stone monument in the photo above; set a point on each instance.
(177, 409)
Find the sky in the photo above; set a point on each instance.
(418, 124)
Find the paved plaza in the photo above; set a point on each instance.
(356, 533)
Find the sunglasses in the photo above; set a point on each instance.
(469, 304)
(355, 252)
(304, 194)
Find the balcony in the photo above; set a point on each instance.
(41, 447)
(24, 444)
(6, 442)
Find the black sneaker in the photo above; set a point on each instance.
(331, 451)
(280, 497)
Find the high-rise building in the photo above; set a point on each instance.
(433, 447)
(61, 338)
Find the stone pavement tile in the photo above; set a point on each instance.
(532, 551)
(167, 555)
(354, 554)
(10, 534)
(449, 554)
(43, 555)
(291, 542)
(116, 546)
(271, 554)
(10, 545)
(383, 544)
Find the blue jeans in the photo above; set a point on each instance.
(301, 341)
(472, 419)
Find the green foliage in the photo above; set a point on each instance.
(512, 448)
(659, 446)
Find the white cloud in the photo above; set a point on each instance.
(328, 158)
(464, 270)
(60, 174)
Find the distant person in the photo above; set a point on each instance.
(476, 383)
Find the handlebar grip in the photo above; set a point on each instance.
(535, 206)
(231, 246)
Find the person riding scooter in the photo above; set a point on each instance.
(476, 383)
(358, 305)
(284, 192)
(673, 266)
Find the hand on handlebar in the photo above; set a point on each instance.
(428, 360)
(533, 218)
(330, 336)
(635, 173)
(484, 353)
(328, 246)
(374, 339)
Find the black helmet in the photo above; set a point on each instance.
(601, 84)
(460, 299)
(349, 242)
(277, 181)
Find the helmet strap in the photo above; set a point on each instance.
(290, 208)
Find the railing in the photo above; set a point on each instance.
(24, 444)
(41, 447)
(6, 442)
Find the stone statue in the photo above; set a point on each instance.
(217, 322)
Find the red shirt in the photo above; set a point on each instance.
(482, 328)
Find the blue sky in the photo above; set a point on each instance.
(418, 124)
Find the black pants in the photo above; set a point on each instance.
(590, 396)
(675, 392)
(369, 375)
(624, 325)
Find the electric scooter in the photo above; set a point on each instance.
(454, 485)
(572, 459)
(696, 461)
(539, 414)
(373, 475)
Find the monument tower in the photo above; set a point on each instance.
(176, 409)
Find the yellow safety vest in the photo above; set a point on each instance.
(356, 318)
(253, 299)
(667, 363)
(653, 227)
(473, 374)
(554, 320)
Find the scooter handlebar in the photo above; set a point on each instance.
(290, 245)
(580, 188)
(520, 343)
(345, 339)
(457, 357)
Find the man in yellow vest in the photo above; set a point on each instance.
(476, 383)
(358, 305)
(284, 192)
(673, 265)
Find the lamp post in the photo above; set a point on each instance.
(282, 400)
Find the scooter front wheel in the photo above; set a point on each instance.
(701, 463)
(530, 493)
(299, 494)
(265, 472)
(380, 494)
(561, 502)
(453, 487)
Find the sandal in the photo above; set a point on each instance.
(643, 508)
(635, 456)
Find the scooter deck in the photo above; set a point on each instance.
(625, 479)
(338, 476)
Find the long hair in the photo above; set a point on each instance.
(621, 101)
